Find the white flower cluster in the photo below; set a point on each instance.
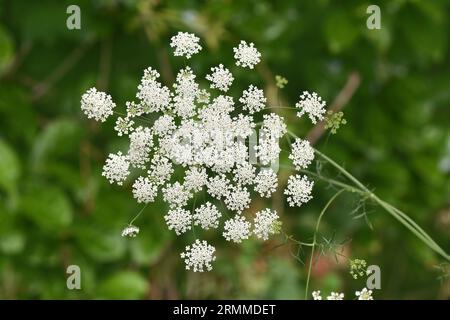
(364, 294)
(206, 135)
(130, 231)
(312, 104)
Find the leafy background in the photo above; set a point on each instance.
(57, 210)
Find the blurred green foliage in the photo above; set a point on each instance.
(57, 210)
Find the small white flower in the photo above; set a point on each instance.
(116, 168)
(302, 154)
(199, 256)
(238, 199)
(130, 231)
(266, 182)
(273, 126)
(195, 179)
(207, 216)
(364, 294)
(246, 55)
(144, 190)
(141, 142)
(253, 99)
(154, 96)
(244, 173)
(185, 44)
(265, 223)
(312, 104)
(123, 126)
(176, 195)
(218, 186)
(164, 125)
(160, 169)
(316, 295)
(179, 220)
(298, 190)
(221, 78)
(236, 229)
(97, 105)
(335, 296)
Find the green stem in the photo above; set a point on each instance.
(399, 215)
(315, 240)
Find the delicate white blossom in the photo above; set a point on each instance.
(116, 168)
(312, 104)
(178, 220)
(246, 55)
(253, 99)
(176, 195)
(185, 44)
(130, 231)
(335, 296)
(364, 294)
(123, 126)
(144, 190)
(316, 295)
(298, 190)
(207, 216)
(199, 256)
(97, 105)
(302, 154)
(266, 182)
(238, 199)
(265, 223)
(237, 229)
(221, 78)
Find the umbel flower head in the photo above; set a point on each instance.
(205, 136)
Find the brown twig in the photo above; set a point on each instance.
(339, 102)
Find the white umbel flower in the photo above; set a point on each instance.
(178, 220)
(164, 125)
(244, 173)
(312, 104)
(253, 99)
(265, 223)
(199, 256)
(144, 190)
(238, 199)
(207, 216)
(185, 44)
(116, 168)
(221, 78)
(154, 96)
(195, 179)
(273, 125)
(246, 55)
(335, 296)
(298, 190)
(218, 186)
(123, 126)
(141, 142)
(130, 231)
(176, 195)
(97, 105)
(266, 182)
(161, 169)
(316, 295)
(236, 229)
(364, 294)
(302, 154)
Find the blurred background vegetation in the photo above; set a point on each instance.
(56, 209)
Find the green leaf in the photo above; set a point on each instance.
(47, 206)
(9, 167)
(124, 285)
